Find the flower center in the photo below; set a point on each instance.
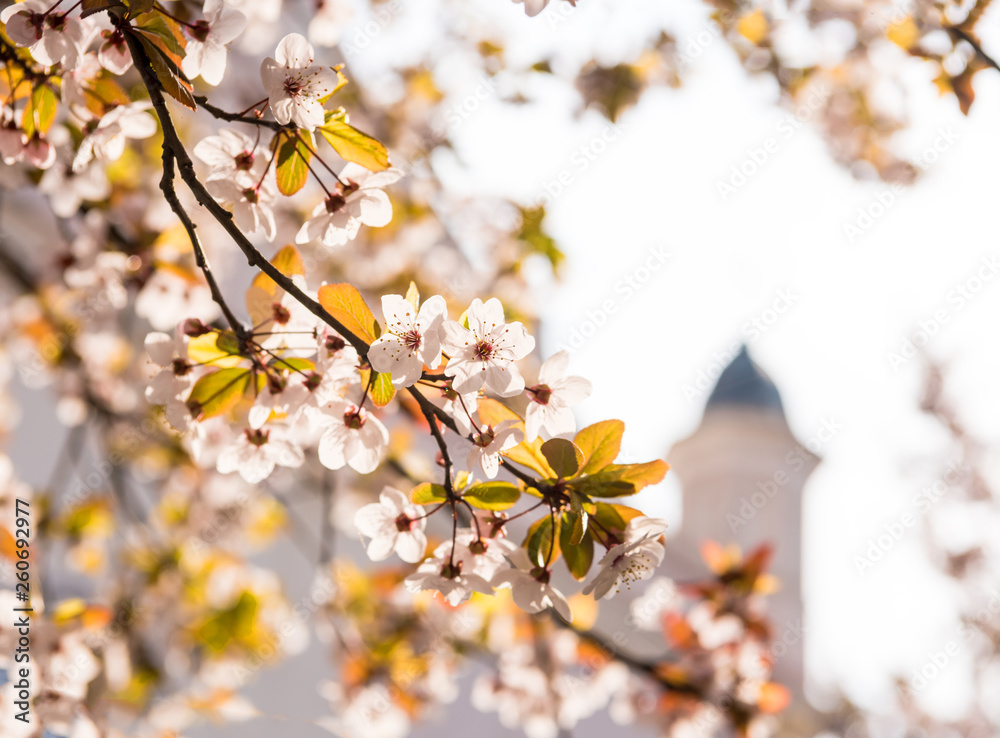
(256, 437)
(251, 195)
(313, 380)
(450, 571)
(281, 313)
(293, 86)
(484, 350)
(485, 438)
(244, 161)
(200, 30)
(412, 339)
(541, 574)
(353, 418)
(334, 343)
(541, 393)
(276, 384)
(404, 523)
(180, 367)
(57, 21)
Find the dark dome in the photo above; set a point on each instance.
(743, 383)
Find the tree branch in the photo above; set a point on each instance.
(239, 118)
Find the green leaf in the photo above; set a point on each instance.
(619, 480)
(541, 539)
(382, 390)
(292, 169)
(138, 7)
(218, 392)
(168, 73)
(428, 494)
(563, 456)
(492, 495)
(579, 554)
(576, 521)
(600, 443)
(166, 34)
(346, 304)
(40, 110)
(89, 7)
(353, 145)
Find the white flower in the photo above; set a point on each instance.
(173, 379)
(330, 17)
(50, 37)
(107, 140)
(355, 201)
(68, 189)
(12, 141)
(77, 84)
(533, 7)
(353, 437)
(529, 584)
(485, 352)
(114, 54)
(552, 397)
(659, 598)
(250, 202)
(255, 453)
(457, 577)
(229, 153)
(463, 408)
(412, 338)
(393, 524)
(489, 443)
(206, 51)
(39, 152)
(633, 559)
(170, 295)
(294, 87)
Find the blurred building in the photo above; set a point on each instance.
(742, 473)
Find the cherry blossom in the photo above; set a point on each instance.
(411, 339)
(206, 52)
(39, 152)
(484, 353)
(294, 86)
(228, 153)
(633, 559)
(114, 54)
(354, 202)
(12, 141)
(533, 7)
(250, 201)
(255, 453)
(457, 576)
(174, 377)
(529, 583)
(552, 397)
(353, 437)
(393, 524)
(489, 443)
(107, 140)
(50, 37)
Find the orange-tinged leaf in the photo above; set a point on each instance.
(493, 412)
(288, 261)
(218, 392)
(600, 443)
(8, 544)
(773, 698)
(345, 303)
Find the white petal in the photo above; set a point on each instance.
(294, 51)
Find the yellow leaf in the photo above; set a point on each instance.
(753, 27)
(904, 34)
(345, 303)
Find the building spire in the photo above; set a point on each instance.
(743, 383)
